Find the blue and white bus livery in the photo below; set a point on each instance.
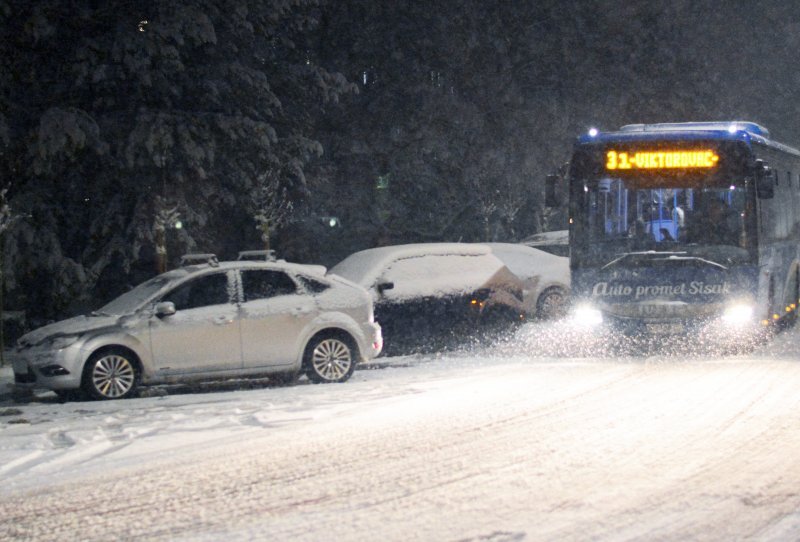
(675, 228)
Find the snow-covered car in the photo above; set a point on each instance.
(207, 321)
(432, 295)
(545, 276)
(555, 242)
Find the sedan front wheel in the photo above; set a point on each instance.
(111, 374)
(329, 358)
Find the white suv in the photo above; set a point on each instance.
(207, 321)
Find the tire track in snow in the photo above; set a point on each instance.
(292, 477)
(617, 450)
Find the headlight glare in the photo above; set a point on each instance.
(738, 314)
(587, 316)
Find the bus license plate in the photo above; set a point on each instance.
(665, 328)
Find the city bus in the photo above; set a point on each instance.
(679, 228)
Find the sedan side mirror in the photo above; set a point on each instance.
(165, 308)
(383, 286)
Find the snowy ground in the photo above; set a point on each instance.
(484, 446)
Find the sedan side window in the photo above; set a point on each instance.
(312, 285)
(263, 284)
(201, 292)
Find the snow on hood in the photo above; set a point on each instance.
(72, 326)
(527, 262)
(556, 237)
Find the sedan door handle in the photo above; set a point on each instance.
(222, 320)
(299, 311)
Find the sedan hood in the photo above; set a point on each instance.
(73, 326)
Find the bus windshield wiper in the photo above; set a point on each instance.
(637, 258)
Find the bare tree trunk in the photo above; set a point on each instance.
(265, 235)
(161, 250)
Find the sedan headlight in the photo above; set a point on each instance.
(61, 341)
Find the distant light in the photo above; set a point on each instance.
(593, 132)
(142, 24)
(733, 187)
(178, 225)
(733, 128)
(333, 222)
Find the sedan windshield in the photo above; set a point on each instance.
(132, 300)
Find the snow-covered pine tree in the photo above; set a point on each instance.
(108, 105)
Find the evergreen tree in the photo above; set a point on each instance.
(108, 106)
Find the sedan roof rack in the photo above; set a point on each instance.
(210, 259)
(260, 255)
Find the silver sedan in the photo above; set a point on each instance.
(209, 321)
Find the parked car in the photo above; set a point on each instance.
(545, 277)
(555, 242)
(207, 321)
(433, 295)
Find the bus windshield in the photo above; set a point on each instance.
(618, 216)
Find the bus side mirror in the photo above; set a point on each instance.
(765, 180)
(552, 196)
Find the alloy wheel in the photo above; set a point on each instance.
(331, 359)
(113, 376)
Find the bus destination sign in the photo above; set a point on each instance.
(654, 160)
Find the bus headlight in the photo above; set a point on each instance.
(738, 314)
(587, 316)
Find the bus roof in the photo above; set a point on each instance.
(749, 132)
(730, 127)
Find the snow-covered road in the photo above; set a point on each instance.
(484, 446)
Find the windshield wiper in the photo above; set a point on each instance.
(671, 257)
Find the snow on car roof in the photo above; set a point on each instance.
(310, 269)
(148, 289)
(367, 266)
